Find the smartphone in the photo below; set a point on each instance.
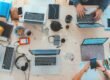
(108, 22)
(20, 11)
(93, 63)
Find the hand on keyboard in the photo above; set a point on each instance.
(98, 14)
(80, 10)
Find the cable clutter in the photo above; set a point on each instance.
(57, 41)
(23, 67)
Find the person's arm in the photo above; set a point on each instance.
(103, 4)
(79, 75)
(75, 2)
(107, 73)
(79, 8)
(103, 69)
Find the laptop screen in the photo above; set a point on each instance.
(45, 52)
(91, 41)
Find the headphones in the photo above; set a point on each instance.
(26, 64)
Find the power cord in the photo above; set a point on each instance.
(29, 70)
(17, 47)
(17, 51)
(25, 75)
(28, 76)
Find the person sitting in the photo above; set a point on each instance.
(100, 67)
(102, 5)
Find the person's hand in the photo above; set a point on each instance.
(80, 10)
(100, 67)
(86, 67)
(98, 14)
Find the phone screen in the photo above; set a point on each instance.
(93, 63)
(108, 21)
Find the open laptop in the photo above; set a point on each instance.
(45, 62)
(7, 31)
(93, 48)
(88, 20)
(6, 58)
(34, 15)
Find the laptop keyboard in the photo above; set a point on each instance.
(34, 16)
(88, 18)
(8, 58)
(45, 61)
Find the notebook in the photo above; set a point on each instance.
(45, 62)
(88, 22)
(93, 48)
(34, 15)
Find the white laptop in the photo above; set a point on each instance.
(6, 58)
(45, 62)
(34, 14)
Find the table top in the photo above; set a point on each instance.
(74, 37)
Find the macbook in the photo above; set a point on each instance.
(34, 15)
(45, 62)
(93, 48)
(88, 21)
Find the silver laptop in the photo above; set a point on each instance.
(45, 62)
(6, 58)
(34, 15)
(93, 48)
(88, 20)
